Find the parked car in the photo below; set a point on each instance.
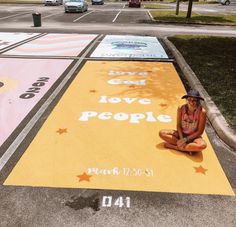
(225, 2)
(75, 6)
(53, 2)
(97, 2)
(135, 3)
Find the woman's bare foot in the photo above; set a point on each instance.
(171, 146)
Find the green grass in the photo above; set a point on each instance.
(206, 2)
(169, 16)
(213, 59)
(154, 6)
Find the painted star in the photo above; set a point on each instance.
(163, 105)
(84, 177)
(200, 169)
(132, 86)
(62, 130)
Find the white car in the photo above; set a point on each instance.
(53, 2)
(75, 6)
(225, 2)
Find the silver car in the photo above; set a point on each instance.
(75, 6)
(53, 2)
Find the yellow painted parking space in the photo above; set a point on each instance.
(103, 134)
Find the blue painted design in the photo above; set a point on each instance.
(129, 45)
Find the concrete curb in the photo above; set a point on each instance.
(218, 122)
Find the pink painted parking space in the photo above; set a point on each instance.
(9, 38)
(23, 83)
(54, 45)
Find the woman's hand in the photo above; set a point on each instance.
(181, 143)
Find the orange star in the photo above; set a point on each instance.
(84, 177)
(200, 169)
(62, 130)
(163, 105)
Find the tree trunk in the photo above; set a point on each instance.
(177, 7)
(190, 4)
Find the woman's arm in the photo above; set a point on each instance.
(182, 141)
(178, 126)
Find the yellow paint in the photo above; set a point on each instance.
(66, 147)
(8, 84)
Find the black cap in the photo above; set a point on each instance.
(193, 93)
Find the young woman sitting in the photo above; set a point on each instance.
(191, 120)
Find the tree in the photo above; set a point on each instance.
(177, 7)
(190, 5)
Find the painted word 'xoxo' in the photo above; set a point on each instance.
(30, 93)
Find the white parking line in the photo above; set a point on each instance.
(116, 16)
(82, 16)
(51, 15)
(15, 15)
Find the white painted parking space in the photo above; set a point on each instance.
(116, 16)
(10, 38)
(84, 15)
(117, 46)
(14, 15)
(51, 15)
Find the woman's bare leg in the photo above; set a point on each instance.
(169, 136)
(196, 146)
(175, 147)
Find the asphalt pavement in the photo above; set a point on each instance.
(43, 206)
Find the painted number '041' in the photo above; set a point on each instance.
(108, 201)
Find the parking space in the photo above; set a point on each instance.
(5, 15)
(109, 5)
(52, 45)
(8, 39)
(108, 122)
(23, 14)
(107, 13)
(134, 17)
(99, 17)
(24, 17)
(109, 114)
(14, 16)
(79, 141)
(27, 87)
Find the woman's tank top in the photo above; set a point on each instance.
(189, 122)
